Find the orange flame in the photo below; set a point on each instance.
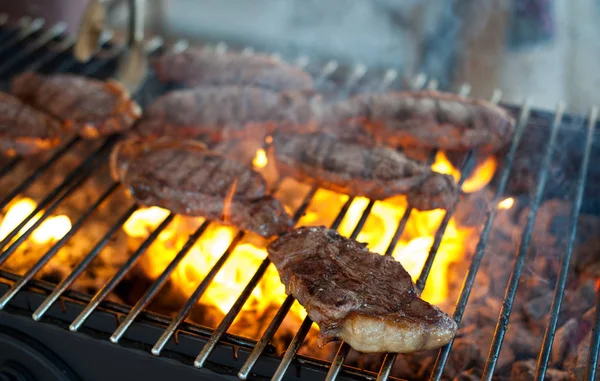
(478, 180)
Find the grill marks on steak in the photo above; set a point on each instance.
(363, 298)
(25, 130)
(92, 107)
(221, 113)
(374, 172)
(186, 178)
(200, 67)
(427, 119)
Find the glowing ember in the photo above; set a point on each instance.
(506, 204)
(480, 177)
(50, 230)
(260, 160)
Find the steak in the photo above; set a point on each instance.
(89, 106)
(200, 67)
(374, 172)
(186, 178)
(221, 113)
(25, 130)
(363, 298)
(427, 119)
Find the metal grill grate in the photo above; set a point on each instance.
(48, 50)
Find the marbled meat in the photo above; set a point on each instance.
(221, 113)
(199, 67)
(89, 106)
(25, 130)
(186, 178)
(427, 119)
(363, 298)
(375, 172)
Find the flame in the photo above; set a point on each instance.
(481, 176)
(377, 231)
(506, 204)
(50, 230)
(260, 160)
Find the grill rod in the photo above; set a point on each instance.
(32, 271)
(344, 349)
(51, 34)
(25, 30)
(69, 184)
(511, 290)
(81, 266)
(559, 291)
(481, 244)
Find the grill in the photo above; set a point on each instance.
(28, 44)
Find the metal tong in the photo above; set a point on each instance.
(133, 64)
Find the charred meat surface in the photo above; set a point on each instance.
(363, 298)
(221, 113)
(374, 172)
(185, 178)
(200, 67)
(428, 119)
(91, 107)
(25, 130)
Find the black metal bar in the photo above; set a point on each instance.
(69, 184)
(483, 238)
(157, 284)
(592, 362)
(559, 291)
(511, 290)
(37, 173)
(41, 41)
(32, 271)
(48, 56)
(239, 303)
(22, 34)
(9, 166)
(81, 266)
(110, 285)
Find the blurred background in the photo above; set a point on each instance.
(546, 49)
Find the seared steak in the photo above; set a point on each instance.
(363, 298)
(220, 113)
(25, 130)
(91, 107)
(374, 172)
(199, 67)
(186, 178)
(427, 119)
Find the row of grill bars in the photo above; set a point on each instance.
(21, 282)
(78, 176)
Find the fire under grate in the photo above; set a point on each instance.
(30, 45)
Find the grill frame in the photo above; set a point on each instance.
(19, 293)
